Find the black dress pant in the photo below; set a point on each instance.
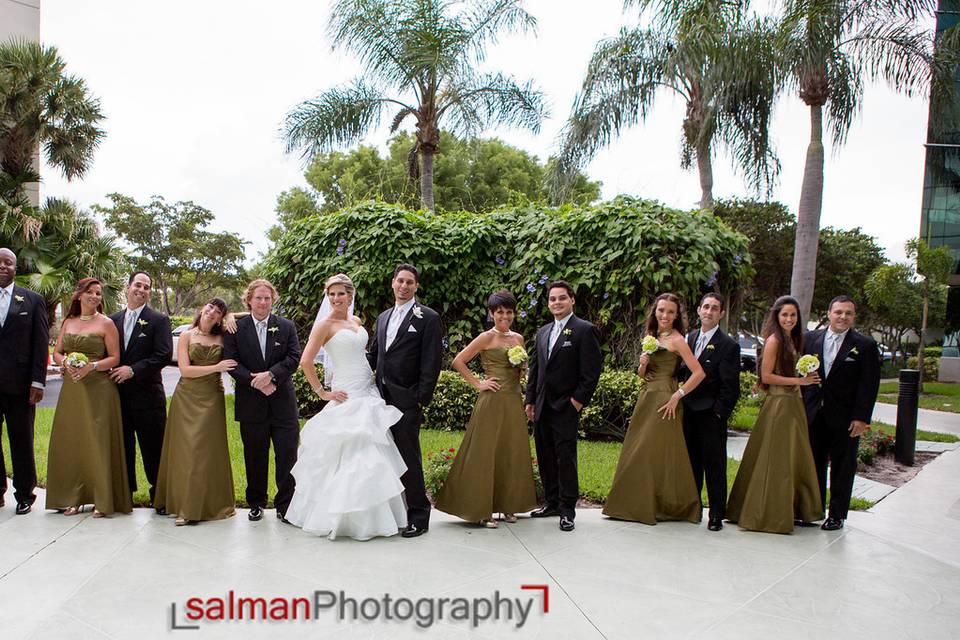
(146, 427)
(406, 435)
(833, 444)
(17, 412)
(256, 437)
(555, 437)
(706, 437)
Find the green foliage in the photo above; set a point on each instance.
(469, 175)
(750, 396)
(172, 244)
(308, 402)
(43, 106)
(608, 414)
(873, 443)
(452, 403)
(845, 260)
(931, 367)
(618, 256)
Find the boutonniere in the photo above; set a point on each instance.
(142, 322)
(18, 298)
(854, 352)
(417, 311)
(567, 332)
(711, 347)
(273, 329)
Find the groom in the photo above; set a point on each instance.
(839, 409)
(267, 352)
(406, 355)
(564, 373)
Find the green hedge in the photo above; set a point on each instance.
(931, 366)
(618, 255)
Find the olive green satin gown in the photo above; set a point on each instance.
(85, 463)
(654, 480)
(777, 480)
(195, 481)
(493, 470)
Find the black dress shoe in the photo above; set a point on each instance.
(832, 524)
(545, 512)
(412, 531)
(282, 517)
(256, 513)
(566, 523)
(715, 524)
(161, 511)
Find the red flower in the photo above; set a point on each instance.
(447, 457)
(452, 450)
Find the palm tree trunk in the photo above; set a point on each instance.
(923, 328)
(705, 169)
(426, 177)
(804, 274)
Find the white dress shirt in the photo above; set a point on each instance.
(396, 319)
(130, 318)
(6, 297)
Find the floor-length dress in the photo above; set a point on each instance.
(348, 468)
(654, 480)
(85, 463)
(493, 470)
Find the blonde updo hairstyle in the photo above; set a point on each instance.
(341, 279)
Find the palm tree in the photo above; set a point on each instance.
(830, 49)
(42, 105)
(708, 53)
(419, 57)
(67, 246)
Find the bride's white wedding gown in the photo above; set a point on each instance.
(348, 468)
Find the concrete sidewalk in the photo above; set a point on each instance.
(893, 572)
(939, 421)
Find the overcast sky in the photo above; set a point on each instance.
(194, 93)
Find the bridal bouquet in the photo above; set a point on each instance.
(807, 365)
(517, 355)
(649, 345)
(76, 360)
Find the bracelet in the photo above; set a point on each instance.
(94, 364)
(681, 391)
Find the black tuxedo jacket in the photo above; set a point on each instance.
(571, 371)
(720, 390)
(24, 339)
(850, 391)
(407, 372)
(149, 351)
(282, 360)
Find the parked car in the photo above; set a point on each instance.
(749, 345)
(176, 339)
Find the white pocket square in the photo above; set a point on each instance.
(23, 313)
(142, 335)
(566, 344)
(411, 329)
(276, 344)
(848, 359)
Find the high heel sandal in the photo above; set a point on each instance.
(98, 514)
(489, 523)
(509, 518)
(72, 511)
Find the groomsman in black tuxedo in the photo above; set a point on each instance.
(840, 408)
(406, 355)
(267, 352)
(146, 347)
(564, 372)
(707, 408)
(24, 338)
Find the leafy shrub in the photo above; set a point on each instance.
(438, 465)
(931, 367)
(452, 403)
(750, 395)
(308, 402)
(872, 444)
(608, 414)
(618, 256)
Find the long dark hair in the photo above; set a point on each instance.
(790, 346)
(679, 323)
(219, 303)
(82, 287)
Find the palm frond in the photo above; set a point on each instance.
(493, 99)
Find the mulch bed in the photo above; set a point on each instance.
(890, 472)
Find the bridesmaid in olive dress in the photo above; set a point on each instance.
(493, 470)
(654, 480)
(85, 464)
(777, 485)
(195, 481)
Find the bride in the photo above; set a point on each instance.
(348, 468)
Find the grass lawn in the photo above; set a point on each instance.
(939, 396)
(597, 461)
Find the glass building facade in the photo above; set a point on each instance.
(940, 212)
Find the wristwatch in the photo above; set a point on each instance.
(95, 363)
